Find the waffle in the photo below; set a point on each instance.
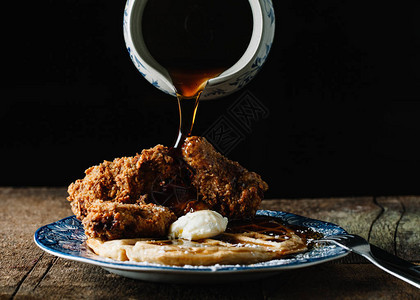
(237, 246)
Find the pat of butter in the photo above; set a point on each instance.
(198, 225)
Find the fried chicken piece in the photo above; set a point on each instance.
(111, 220)
(110, 181)
(138, 196)
(224, 185)
(124, 180)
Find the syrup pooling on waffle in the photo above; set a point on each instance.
(273, 230)
(267, 231)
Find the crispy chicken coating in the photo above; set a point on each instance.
(224, 185)
(138, 196)
(111, 220)
(124, 180)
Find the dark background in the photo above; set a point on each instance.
(342, 86)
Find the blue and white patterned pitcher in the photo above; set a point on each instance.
(227, 82)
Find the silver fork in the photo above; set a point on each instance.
(390, 263)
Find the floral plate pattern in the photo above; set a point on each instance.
(65, 238)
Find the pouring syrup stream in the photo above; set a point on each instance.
(189, 85)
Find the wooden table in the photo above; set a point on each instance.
(392, 223)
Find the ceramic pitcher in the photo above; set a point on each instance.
(231, 80)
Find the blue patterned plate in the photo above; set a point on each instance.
(66, 239)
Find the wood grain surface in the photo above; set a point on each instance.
(391, 223)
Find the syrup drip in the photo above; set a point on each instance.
(178, 193)
(195, 41)
(189, 84)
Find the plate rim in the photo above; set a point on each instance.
(166, 269)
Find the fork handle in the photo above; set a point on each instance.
(394, 265)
